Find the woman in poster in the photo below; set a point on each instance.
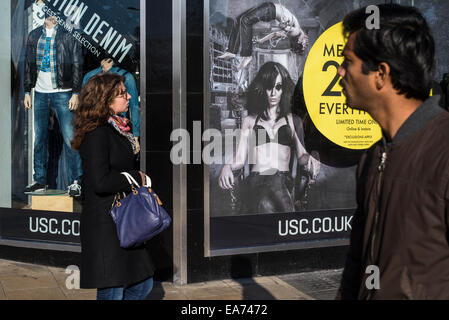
(242, 31)
(269, 129)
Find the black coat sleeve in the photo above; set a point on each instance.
(95, 154)
(77, 66)
(27, 76)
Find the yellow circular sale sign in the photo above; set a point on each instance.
(325, 102)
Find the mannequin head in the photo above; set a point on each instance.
(50, 22)
(106, 64)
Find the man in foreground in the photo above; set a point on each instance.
(400, 228)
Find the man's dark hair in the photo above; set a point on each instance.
(403, 41)
(257, 98)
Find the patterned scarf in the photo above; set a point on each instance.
(46, 55)
(121, 125)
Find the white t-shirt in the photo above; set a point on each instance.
(43, 82)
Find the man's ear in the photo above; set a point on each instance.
(382, 75)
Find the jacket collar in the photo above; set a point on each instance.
(44, 30)
(428, 110)
(113, 69)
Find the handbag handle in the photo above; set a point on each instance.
(132, 181)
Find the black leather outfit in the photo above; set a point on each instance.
(242, 30)
(270, 192)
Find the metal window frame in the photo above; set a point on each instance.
(179, 116)
(143, 89)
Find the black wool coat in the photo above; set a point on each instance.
(104, 154)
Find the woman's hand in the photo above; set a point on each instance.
(314, 164)
(303, 39)
(226, 179)
(311, 163)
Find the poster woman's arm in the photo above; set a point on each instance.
(275, 34)
(304, 158)
(226, 178)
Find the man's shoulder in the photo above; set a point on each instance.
(439, 129)
(35, 33)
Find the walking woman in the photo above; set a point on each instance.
(107, 148)
(270, 132)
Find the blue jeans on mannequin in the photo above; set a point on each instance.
(59, 101)
(137, 291)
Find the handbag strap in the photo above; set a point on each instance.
(132, 181)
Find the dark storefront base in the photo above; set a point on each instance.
(202, 268)
(51, 258)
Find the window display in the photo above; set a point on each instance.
(56, 46)
(60, 45)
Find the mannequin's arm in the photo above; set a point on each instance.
(137, 144)
(77, 65)
(134, 108)
(27, 101)
(73, 102)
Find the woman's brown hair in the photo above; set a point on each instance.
(95, 98)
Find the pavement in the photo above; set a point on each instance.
(24, 281)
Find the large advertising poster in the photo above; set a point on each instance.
(285, 176)
(56, 47)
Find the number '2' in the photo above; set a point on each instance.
(328, 92)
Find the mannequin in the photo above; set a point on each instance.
(107, 65)
(53, 64)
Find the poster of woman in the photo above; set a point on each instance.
(258, 50)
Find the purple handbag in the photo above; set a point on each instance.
(139, 215)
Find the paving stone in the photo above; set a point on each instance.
(335, 278)
(324, 295)
(36, 294)
(283, 292)
(218, 283)
(314, 281)
(195, 292)
(256, 293)
(174, 296)
(18, 268)
(5, 266)
(219, 297)
(232, 283)
(81, 295)
(17, 282)
(249, 281)
(298, 293)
